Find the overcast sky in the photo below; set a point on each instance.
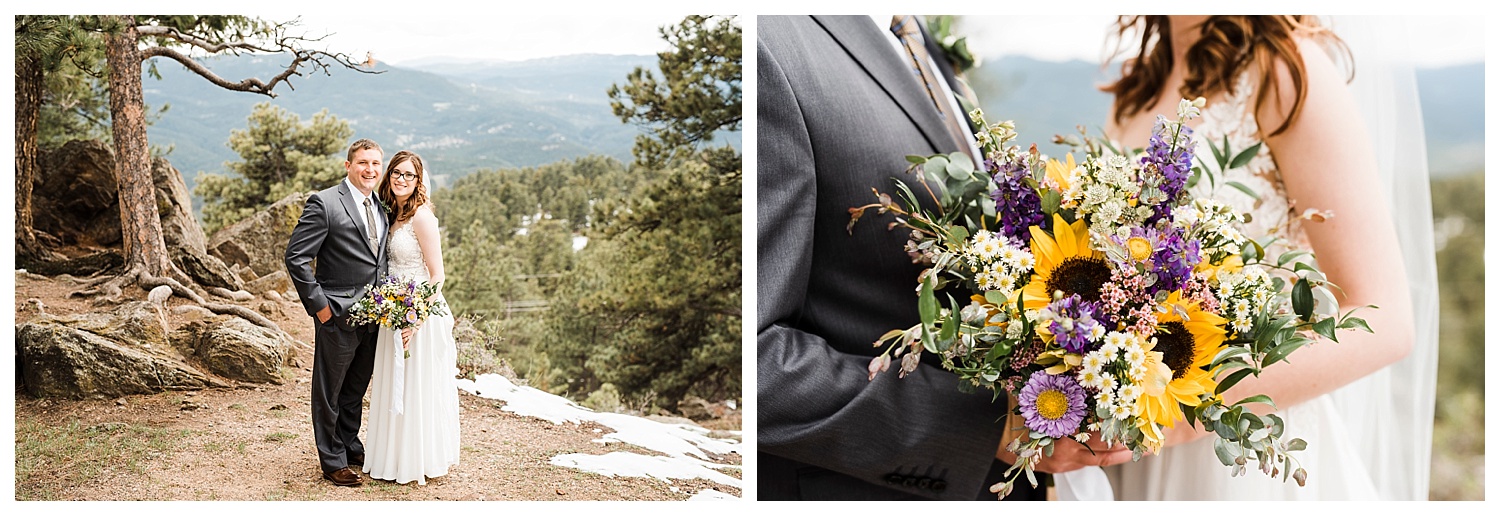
(482, 36)
(1436, 40)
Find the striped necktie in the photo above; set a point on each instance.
(904, 26)
(372, 236)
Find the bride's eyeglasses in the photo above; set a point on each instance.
(405, 177)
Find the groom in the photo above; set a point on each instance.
(842, 101)
(344, 228)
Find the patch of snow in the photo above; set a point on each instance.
(688, 447)
(710, 494)
(636, 465)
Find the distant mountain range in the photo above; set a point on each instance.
(460, 116)
(464, 116)
(1046, 98)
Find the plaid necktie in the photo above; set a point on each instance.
(904, 26)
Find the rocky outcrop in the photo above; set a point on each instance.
(277, 281)
(259, 242)
(237, 349)
(75, 199)
(130, 351)
(103, 355)
(183, 236)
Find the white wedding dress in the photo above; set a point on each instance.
(1371, 439)
(1191, 471)
(413, 429)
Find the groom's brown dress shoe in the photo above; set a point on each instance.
(345, 477)
(357, 461)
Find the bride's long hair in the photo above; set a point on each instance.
(1228, 46)
(403, 210)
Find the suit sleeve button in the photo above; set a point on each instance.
(939, 486)
(893, 479)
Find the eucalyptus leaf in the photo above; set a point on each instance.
(918, 160)
(936, 166)
(1221, 449)
(958, 233)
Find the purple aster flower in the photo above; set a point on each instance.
(411, 317)
(1052, 404)
(1078, 323)
(1017, 205)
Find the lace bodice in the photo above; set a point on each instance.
(1232, 115)
(406, 255)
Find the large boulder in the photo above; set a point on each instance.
(277, 281)
(237, 349)
(76, 200)
(259, 241)
(103, 355)
(75, 197)
(184, 237)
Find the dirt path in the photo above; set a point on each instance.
(255, 443)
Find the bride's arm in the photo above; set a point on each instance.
(426, 226)
(1327, 163)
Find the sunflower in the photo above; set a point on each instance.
(1185, 345)
(1064, 263)
(1058, 172)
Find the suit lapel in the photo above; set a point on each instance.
(385, 214)
(352, 209)
(863, 41)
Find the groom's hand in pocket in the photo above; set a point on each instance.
(325, 314)
(1068, 455)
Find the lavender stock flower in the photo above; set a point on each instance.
(1170, 156)
(1017, 205)
(1077, 324)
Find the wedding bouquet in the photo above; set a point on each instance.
(1102, 298)
(397, 304)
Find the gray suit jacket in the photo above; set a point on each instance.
(332, 230)
(838, 112)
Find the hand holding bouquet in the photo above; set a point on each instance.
(398, 304)
(1103, 299)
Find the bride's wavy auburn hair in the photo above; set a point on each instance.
(1227, 47)
(404, 209)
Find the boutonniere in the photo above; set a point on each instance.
(955, 47)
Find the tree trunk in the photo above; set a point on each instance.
(28, 110)
(140, 223)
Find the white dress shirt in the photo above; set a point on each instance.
(375, 213)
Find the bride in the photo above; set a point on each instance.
(1364, 404)
(413, 431)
